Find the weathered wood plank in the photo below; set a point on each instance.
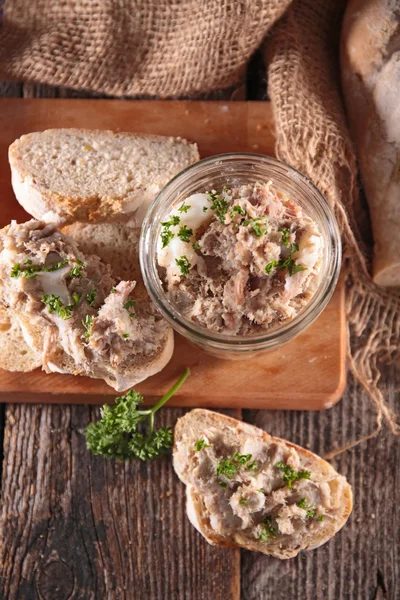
(363, 560)
(75, 526)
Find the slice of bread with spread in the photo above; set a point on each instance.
(248, 489)
(68, 175)
(72, 312)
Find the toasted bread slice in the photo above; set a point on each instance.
(248, 489)
(67, 175)
(15, 353)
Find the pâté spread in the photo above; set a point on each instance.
(240, 260)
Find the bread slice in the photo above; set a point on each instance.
(15, 354)
(248, 489)
(68, 175)
(113, 335)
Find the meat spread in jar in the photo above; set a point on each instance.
(241, 260)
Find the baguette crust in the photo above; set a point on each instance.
(65, 175)
(192, 426)
(370, 61)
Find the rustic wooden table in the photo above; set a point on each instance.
(76, 527)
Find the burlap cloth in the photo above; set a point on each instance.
(175, 48)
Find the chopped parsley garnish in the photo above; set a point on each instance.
(223, 484)
(242, 459)
(303, 504)
(183, 264)
(239, 210)
(91, 297)
(196, 246)
(87, 323)
(291, 266)
(184, 208)
(125, 335)
(166, 234)
(75, 272)
(227, 468)
(113, 290)
(184, 233)
(218, 204)
(252, 466)
(128, 305)
(57, 266)
(243, 501)
(27, 261)
(80, 263)
(320, 518)
(75, 298)
(268, 531)
(200, 444)
(285, 235)
(289, 474)
(205, 209)
(116, 435)
(30, 272)
(256, 227)
(272, 263)
(55, 306)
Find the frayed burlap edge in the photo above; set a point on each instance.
(312, 136)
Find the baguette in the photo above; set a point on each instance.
(47, 283)
(271, 496)
(370, 61)
(67, 175)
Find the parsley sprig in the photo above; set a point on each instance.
(166, 234)
(228, 467)
(310, 512)
(184, 264)
(218, 204)
(55, 305)
(268, 531)
(116, 434)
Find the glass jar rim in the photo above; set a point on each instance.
(266, 339)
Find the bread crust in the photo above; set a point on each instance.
(194, 423)
(370, 61)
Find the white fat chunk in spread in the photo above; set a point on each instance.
(53, 282)
(194, 218)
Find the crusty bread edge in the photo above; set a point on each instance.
(196, 505)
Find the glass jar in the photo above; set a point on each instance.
(234, 170)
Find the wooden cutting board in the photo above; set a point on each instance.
(308, 373)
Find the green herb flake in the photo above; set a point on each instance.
(252, 466)
(126, 335)
(56, 266)
(205, 209)
(196, 246)
(75, 298)
(222, 484)
(81, 263)
(289, 474)
(227, 468)
(200, 444)
(285, 235)
(15, 271)
(27, 261)
(242, 459)
(239, 210)
(116, 435)
(268, 531)
(320, 518)
(75, 272)
(184, 208)
(302, 503)
(218, 204)
(129, 303)
(113, 290)
(87, 324)
(183, 264)
(243, 501)
(185, 234)
(30, 272)
(55, 306)
(91, 297)
(166, 237)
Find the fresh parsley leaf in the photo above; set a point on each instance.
(75, 272)
(129, 303)
(239, 210)
(205, 209)
(113, 290)
(227, 468)
(243, 501)
(30, 272)
(75, 298)
(302, 503)
(252, 466)
(184, 208)
(268, 531)
(218, 204)
(320, 518)
(87, 323)
(166, 237)
(310, 513)
(184, 233)
(242, 459)
(289, 474)
(196, 246)
(200, 444)
(55, 267)
(91, 297)
(116, 433)
(183, 264)
(285, 235)
(81, 263)
(27, 261)
(125, 335)
(55, 306)
(259, 225)
(222, 484)
(16, 269)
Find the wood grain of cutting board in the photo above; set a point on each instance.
(308, 373)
